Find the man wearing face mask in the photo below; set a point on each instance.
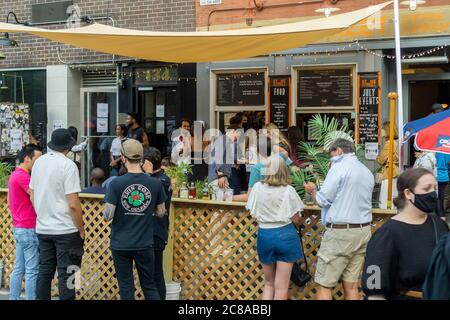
(346, 201)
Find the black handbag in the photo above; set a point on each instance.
(300, 276)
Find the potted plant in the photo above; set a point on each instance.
(316, 155)
(178, 175)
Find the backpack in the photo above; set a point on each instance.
(437, 282)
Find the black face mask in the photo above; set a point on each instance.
(426, 202)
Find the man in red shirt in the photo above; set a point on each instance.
(24, 222)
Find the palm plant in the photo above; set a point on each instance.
(316, 155)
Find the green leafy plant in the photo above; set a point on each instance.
(299, 178)
(178, 175)
(316, 155)
(5, 172)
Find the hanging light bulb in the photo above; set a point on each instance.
(327, 11)
(413, 3)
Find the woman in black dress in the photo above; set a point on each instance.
(399, 252)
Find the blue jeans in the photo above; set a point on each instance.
(27, 262)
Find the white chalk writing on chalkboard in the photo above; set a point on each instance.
(368, 108)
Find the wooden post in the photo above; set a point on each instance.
(392, 97)
(168, 251)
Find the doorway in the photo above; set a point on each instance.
(99, 119)
(159, 116)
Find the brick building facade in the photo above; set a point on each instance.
(365, 47)
(70, 88)
(154, 15)
(233, 13)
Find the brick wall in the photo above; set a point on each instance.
(155, 15)
(236, 19)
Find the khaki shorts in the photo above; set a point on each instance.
(341, 255)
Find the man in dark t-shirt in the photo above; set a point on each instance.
(152, 166)
(132, 201)
(135, 131)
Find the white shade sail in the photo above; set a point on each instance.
(183, 47)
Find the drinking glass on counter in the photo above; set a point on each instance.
(229, 195)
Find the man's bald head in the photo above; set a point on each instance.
(97, 176)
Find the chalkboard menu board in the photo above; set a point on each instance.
(279, 106)
(325, 87)
(241, 89)
(368, 106)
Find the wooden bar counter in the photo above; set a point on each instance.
(213, 255)
(211, 250)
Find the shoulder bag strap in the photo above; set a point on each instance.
(435, 231)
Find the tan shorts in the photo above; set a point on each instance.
(341, 255)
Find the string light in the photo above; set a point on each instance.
(405, 56)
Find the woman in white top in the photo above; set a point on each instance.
(116, 147)
(276, 205)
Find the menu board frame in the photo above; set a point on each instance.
(235, 75)
(351, 67)
(374, 76)
(287, 88)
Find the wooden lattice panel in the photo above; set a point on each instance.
(215, 252)
(98, 281)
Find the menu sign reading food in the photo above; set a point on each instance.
(241, 89)
(368, 107)
(279, 106)
(325, 88)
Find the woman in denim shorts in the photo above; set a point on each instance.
(276, 205)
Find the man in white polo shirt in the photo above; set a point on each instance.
(54, 189)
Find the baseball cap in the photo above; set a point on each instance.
(133, 149)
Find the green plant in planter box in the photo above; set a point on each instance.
(5, 172)
(316, 155)
(199, 185)
(178, 175)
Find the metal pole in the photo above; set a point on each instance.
(392, 97)
(398, 62)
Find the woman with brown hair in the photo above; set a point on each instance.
(278, 242)
(399, 252)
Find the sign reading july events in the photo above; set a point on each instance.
(279, 107)
(369, 104)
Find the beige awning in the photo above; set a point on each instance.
(199, 46)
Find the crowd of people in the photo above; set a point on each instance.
(49, 230)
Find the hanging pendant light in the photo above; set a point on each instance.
(413, 3)
(327, 9)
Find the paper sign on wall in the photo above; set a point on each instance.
(160, 127)
(371, 149)
(57, 124)
(102, 110)
(16, 139)
(102, 125)
(160, 111)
